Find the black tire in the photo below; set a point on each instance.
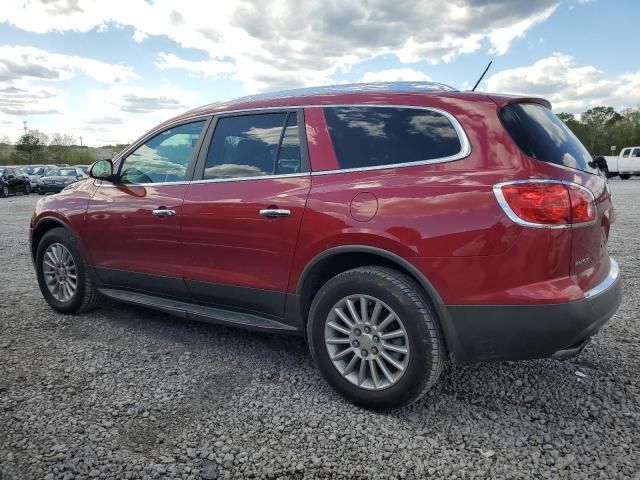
(27, 189)
(4, 191)
(40, 192)
(625, 176)
(86, 296)
(426, 344)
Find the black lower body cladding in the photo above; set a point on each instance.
(520, 332)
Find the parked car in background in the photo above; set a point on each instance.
(84, 168)
(392, 225)
(57, 179)
(35, 172)
(625, 164)
(12, 180)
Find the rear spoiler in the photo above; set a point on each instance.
(504, 100)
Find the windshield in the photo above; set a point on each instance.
(33, 170)
(1, 171)
(62, 172)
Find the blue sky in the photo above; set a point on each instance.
(108, 71)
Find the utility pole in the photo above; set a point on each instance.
(25, 126)
(80, 141)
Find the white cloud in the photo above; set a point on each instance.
(567, 86)
(19, 62)
(288, 43)
(207, 68)
(395, 75)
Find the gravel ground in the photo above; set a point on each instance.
(125, 392)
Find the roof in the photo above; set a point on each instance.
(328, 91)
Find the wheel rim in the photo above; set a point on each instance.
(60, 273)
(367, 342)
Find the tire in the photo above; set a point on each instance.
(40, 192)
(27, 189)
(424, 341)
(85, 296)
(625, 176)
(4, 191)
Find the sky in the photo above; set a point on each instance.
(109, 70)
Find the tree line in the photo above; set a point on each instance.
(600, 128)
(35, 147)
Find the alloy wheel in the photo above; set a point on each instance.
(367, 342)
(60, 273)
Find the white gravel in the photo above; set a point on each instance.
(125, 392)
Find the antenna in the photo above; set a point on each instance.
(481, 77)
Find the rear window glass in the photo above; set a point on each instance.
(378, 136)
(543, 136)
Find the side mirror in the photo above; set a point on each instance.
(10, 176)
(101, 170)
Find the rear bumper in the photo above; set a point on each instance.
(519, 332)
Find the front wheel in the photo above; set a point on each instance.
(4, 191)
(63, 274)
(375, 338)
(27, 189)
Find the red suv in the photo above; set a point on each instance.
(393, 225)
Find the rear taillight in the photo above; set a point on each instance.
(546, 203)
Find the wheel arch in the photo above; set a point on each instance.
(336, 260)
(48, 223)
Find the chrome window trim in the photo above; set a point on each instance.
(497, 191)
(465, 145)
(612, 277)
(211, 180)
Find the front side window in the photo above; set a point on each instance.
(377, 136)
(254, 146)
(163, 158)
(626, 152)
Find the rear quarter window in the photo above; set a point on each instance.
(378, 136)
(540, 134)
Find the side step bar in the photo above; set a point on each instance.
(250, 321)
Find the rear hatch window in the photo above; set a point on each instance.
(543, 136)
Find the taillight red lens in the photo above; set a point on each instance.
(583, 208)
(542, 203)
(547, 203)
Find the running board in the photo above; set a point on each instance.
(250, 321)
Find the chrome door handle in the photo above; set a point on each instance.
(163, 212)
(275, 212)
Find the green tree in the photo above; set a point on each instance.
(597, 120)
(31, 145)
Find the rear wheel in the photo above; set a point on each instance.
(375, 339)
(63, 275)
(625, 176)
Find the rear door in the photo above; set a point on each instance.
(558, 154)
(133, 225)
(242, 214)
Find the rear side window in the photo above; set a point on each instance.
(543, 136)
(636, 152)
(254, 146)
(378, 136)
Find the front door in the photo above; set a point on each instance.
(241, 219)
(133, 224)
